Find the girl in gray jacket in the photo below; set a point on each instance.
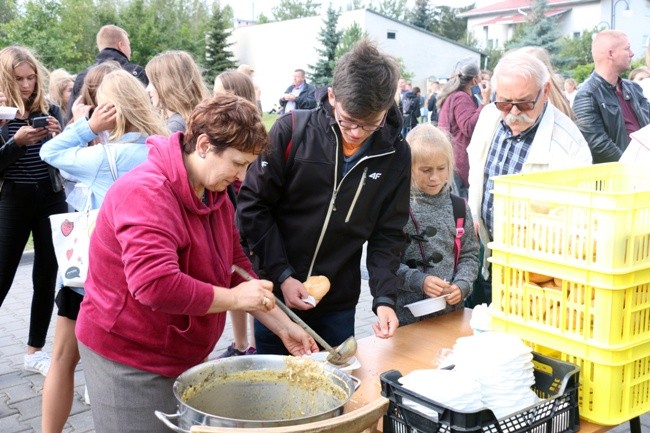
(441, 257)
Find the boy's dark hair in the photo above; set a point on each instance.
(365, 80)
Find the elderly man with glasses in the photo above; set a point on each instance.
(521, 132)
(334, 178)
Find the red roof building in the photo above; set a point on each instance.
(493, 22)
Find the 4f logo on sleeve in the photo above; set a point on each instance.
(374, 176)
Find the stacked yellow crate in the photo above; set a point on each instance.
(571, 275)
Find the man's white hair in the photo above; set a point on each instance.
(522, 64)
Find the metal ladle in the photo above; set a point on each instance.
(339, 356)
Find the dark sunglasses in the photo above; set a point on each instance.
(431, 260)
(506, 106)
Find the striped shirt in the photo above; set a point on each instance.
(506, 156)
(29, 168)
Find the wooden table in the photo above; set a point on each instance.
(415, 346)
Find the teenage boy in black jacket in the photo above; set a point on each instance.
(307, 208)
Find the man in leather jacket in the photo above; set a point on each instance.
(608, 108)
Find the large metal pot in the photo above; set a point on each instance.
(258, 391)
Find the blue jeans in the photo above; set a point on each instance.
(333, 326)
(25, 209)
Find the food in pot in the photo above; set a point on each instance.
(301, 389)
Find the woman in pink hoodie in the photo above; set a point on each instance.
(160, 276)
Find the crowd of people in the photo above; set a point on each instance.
(188, 183)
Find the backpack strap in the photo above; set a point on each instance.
(109, 151)
(459, 206)
(299, 120)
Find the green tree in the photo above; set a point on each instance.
(493, 56)
(263, 19)
(539, 30)
(8, 8)
(63, 31)
(39, 28)
(395, 9)
(422, 16)
(403, 72)
(576, 51)
(291, 9)
(218, 56)
(354, 5)
(137, 17)
(350, 36)
(447, 24)
(322, 73)
(581, 72)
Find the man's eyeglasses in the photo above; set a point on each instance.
(506, 106)
(350, 124)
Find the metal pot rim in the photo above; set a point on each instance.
(348, 383)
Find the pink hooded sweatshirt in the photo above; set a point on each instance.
(155, 254)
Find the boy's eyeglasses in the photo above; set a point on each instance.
(506, 106)
(350, 124)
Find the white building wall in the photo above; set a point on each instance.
(275, 50)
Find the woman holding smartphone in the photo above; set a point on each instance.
(30, 191)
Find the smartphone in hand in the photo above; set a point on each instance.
(39, 122)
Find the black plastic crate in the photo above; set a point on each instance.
(555, 381)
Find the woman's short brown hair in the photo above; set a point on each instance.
(229, 121)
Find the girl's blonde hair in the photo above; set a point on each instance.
(93, 79)
(10, 58)
(178, 82)
(238, 83)
(134, 110)
(60, 79)
(425, 139)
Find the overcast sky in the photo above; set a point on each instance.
(250, 9)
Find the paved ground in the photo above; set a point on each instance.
(20, 392)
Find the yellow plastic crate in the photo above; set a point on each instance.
(614, 384)
(595, 217)
(604, 310)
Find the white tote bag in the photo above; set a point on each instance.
(71, 233)
(71, 237)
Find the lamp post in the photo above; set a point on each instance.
(613, 11)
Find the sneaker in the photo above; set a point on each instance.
(251, 351)
(38, 362)
(233, 351)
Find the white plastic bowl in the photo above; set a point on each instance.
(8, 113)
(427, 306)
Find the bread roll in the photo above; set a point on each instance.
(317, 286)
(538, 278)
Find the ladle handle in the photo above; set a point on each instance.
(293, 316)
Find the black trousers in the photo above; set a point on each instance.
(24, 210)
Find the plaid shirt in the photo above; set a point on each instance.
(506, 156)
